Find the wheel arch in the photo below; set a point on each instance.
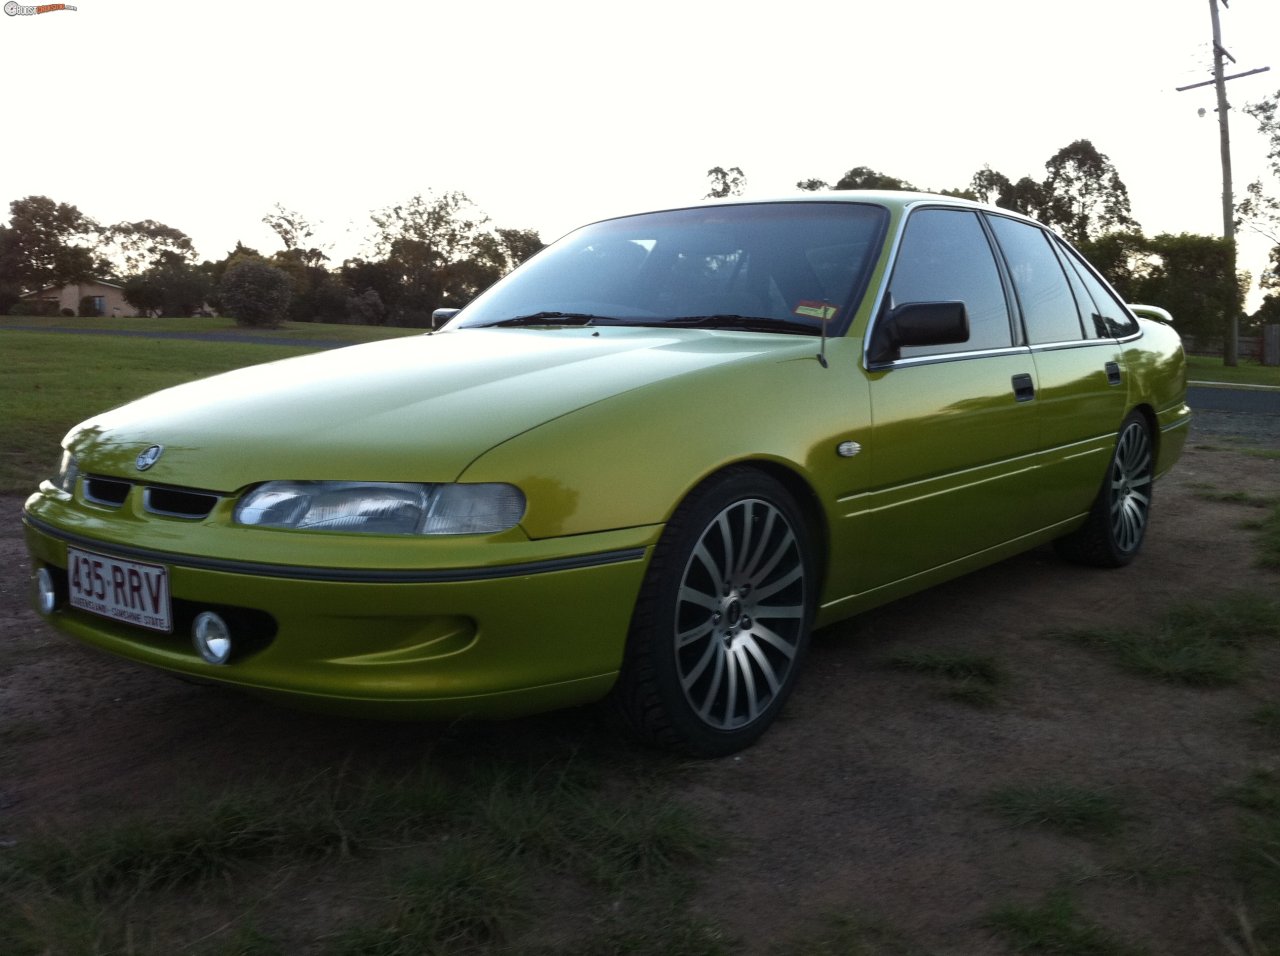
(802, 493)
(1153, 425)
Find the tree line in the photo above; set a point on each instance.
(429, 252)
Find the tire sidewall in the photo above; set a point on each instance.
(654, 626)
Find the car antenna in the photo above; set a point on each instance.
(827, 313)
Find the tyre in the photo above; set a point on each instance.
(1117, 522)
(722, 621)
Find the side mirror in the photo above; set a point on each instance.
(440, 316)
(1151, 312)
(918, 323)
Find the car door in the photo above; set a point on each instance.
(954, 427)
(1082, 393)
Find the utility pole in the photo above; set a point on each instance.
(1231, 351)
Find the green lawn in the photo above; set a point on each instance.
(53, 380)
(309, 331)
(1201, 368)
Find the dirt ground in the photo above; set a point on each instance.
(866, 798)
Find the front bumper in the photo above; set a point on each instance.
(543, 630)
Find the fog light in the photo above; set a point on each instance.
(211, 637)
(46, 592)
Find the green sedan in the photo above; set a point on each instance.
(641, 468)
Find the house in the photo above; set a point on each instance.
(107, 298)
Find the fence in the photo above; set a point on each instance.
(1264, 348)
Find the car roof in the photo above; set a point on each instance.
(898, 200)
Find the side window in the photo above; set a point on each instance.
(944, 257)
(1106, 315)
(1048, 307)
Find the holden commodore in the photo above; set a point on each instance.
(641, 468)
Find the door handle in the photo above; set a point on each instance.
(1024, 389)
(1113, 373)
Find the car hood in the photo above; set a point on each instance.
(410, 409)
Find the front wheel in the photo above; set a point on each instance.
(1117, 522)
(723, 618)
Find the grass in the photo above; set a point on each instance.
(1257, 863)
(849, 935)
(52, 381)
(1202, 368)
(1268, 529)
(1056, 926)
(1210, 492)
(971, 679)
(459, 856)
(1063, 808)
(286, 331)
(1203, 645)
(467, 899)
(1267, 720)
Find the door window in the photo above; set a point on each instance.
(1048, 307)
(944, 257)
(1108, 318)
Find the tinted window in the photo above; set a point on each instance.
(785, 262)
(1048, 307)
(1105, 313)
(945, 256)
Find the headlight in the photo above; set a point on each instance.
(382, 507)
(68, 472)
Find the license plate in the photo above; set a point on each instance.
(125, 591)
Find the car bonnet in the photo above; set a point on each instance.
(410, 409)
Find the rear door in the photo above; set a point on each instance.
(1082, 392)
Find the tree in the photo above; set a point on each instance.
(1083, 195)
(1268, 314)
(726, 182)
(171, 287)
(47, 243)
(1267, 113)
(296, 233)
(366, 308)
(1270, 278)
(1194, 278)
(381, 278)
(431, 244)
(1260, 210)
(255, 293)
(991, 187)
(812, 185)
(1125, 260)
(863, 177)
(138, 246)
(494, 255)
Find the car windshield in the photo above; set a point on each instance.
(773, 267)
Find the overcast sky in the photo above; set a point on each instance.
(205, 114)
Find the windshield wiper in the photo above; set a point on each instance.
(548, 318)
(745, 323)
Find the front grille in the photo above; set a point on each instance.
(187, 503)
(178, 502)
(106, 491)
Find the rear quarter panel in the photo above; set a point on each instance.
(1157, 369)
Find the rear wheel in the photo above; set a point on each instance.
(723, 618)
(1117, 523)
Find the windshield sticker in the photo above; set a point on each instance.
(815, 310)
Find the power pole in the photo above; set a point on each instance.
(1231, 350)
